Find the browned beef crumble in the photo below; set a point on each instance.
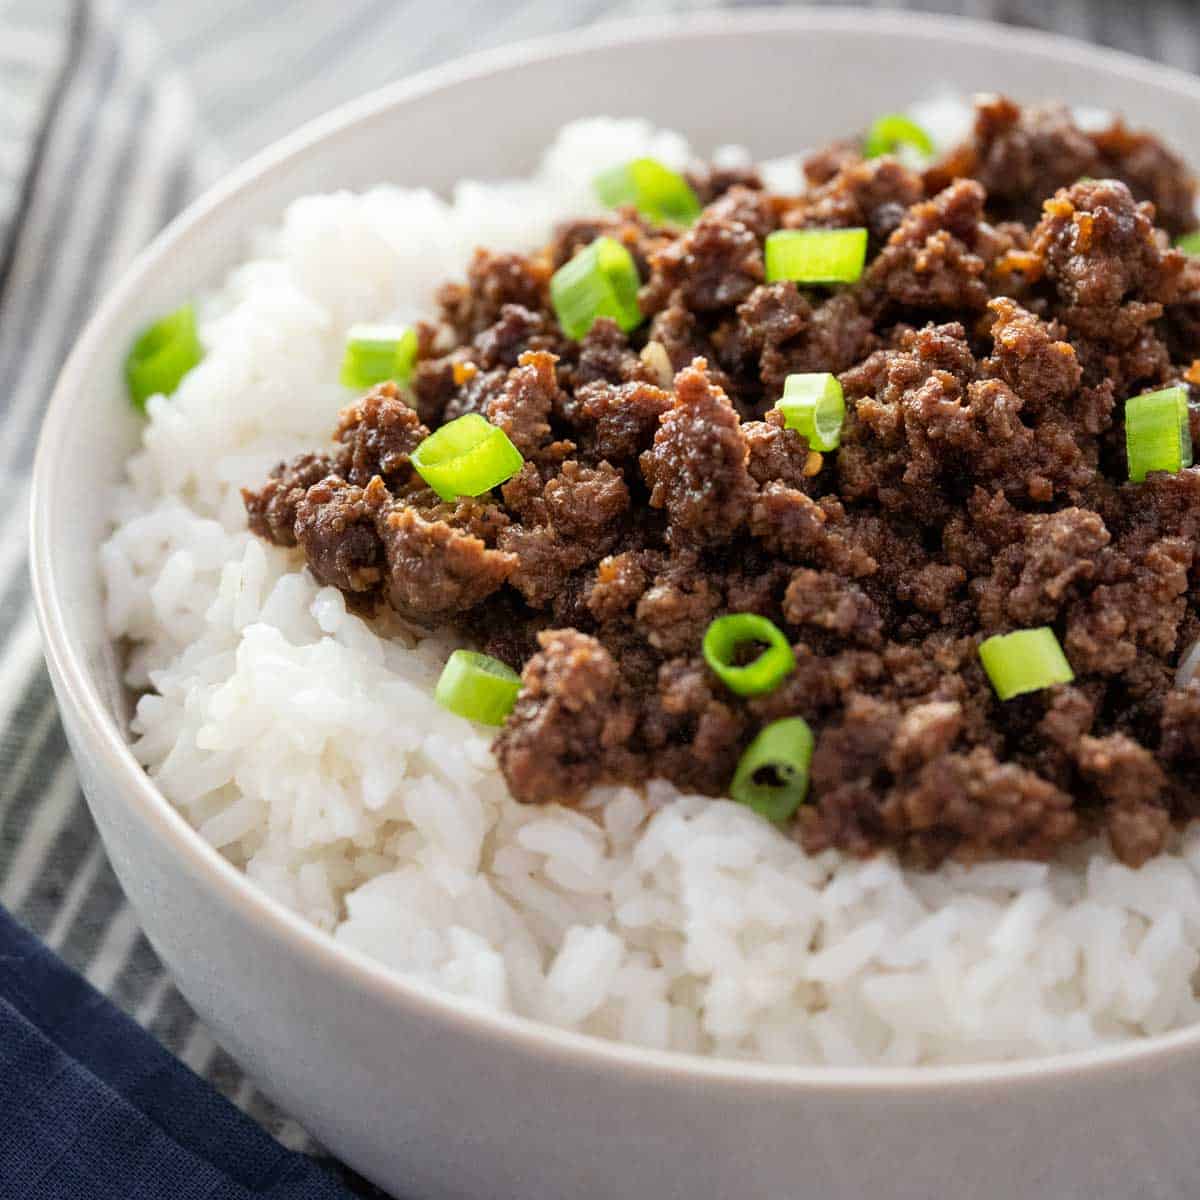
(1015, 294)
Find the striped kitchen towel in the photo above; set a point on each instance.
(33, 64)
(100, 144)
(113, 114)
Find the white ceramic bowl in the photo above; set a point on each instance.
(420, 1093)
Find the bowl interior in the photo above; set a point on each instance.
(774, 82)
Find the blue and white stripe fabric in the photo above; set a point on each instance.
(113, 114)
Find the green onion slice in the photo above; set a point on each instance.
(600, 281)
(478, 687)
(1158, 434)
(816, 255)
(375, 353)
(1190, 242)
(1025, 661)
(162, 355)
(466, 457)
(654, 190)
(772, 776)
(814, 406)
(737, 631)
(893, 130)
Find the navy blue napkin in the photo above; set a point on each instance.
(93, 1108)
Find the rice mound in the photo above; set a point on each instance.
(304, 743)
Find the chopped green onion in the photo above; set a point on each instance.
(1158, 434)
(814, 406)
(600, 281)
(893, 130)
(1190, 242)
(816, 255)
(728, 635)
(782, 751)
(1025, 661)
(162, 355)
(375, 353)
(478, 687)
(466, 457)
(654, 190)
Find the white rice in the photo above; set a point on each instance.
(304, 743)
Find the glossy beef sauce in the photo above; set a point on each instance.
(1014, 295)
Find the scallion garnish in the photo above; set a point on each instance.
(893, 130)
(375, 353)
(478, 687)
(600, 281)
(814, 406)
(772, 776)
(1025, 661)
(1158, 434)
(816, 255)
(466, 457)
(162, 355)
(1190, 242)
(730, 635)
(655, 191)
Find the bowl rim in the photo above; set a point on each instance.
(78, 691)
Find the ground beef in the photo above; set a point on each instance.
(271, 510)
(938, 254)
(378, 436)
(1032, 577)
(673, 612)
(696, 468)
(516, 331)
(1015, 294)
(573, 720)
(435, 571)
(710, 181)
(523, 407)
(823, 600)
(606, 355)
(717, 263)
(777, 452)
(1152, 172)
(493, 281)
(1031, 356)
(1020, 156)
(335, 527)
(586, 504)
(618, 422)
(875, 194)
